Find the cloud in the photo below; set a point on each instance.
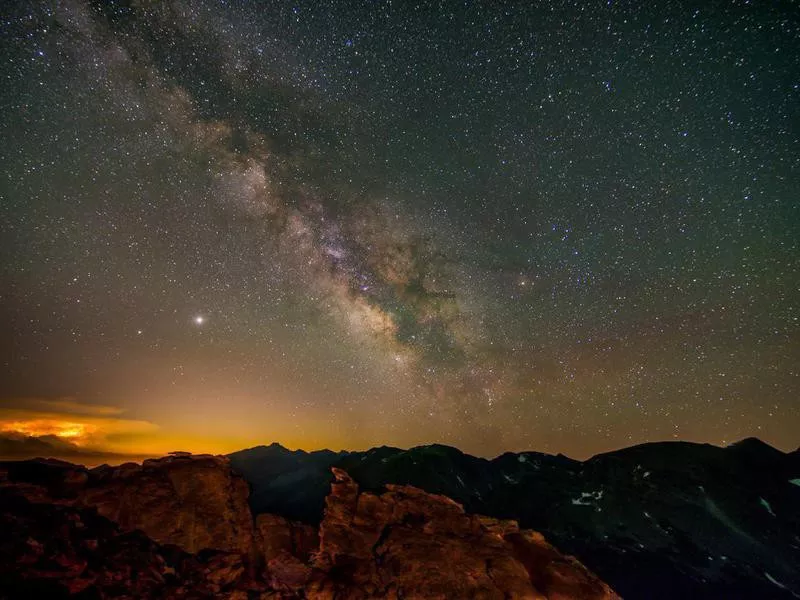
(66, 428)
(16, 446)
(64, 405)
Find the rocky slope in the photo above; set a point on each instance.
(660, 520)
(180, 527)
(192, 501)
(54, 547)
(407, 543)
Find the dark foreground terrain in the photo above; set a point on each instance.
(662, 520)
(181, 527)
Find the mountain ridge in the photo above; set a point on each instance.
(698, 519)
(744, 441)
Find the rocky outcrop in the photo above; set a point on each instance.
(277, 534)
(406, 543)
(179, 527)
(57, 550)
(192, 501)
(286, 548)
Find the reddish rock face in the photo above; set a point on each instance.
(277, 534)
(54, 551)
(407, 543)
(199, 540)
(192, 501)
(286, 548)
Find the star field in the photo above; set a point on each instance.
(566, 227)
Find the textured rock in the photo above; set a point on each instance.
(192, 501)
(286, 548)
(406, 543)
(277, 534)
(49, 480)
(195, 502)
(55, 550)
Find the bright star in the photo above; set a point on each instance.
(199, 319)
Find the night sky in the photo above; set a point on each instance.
(564, 227)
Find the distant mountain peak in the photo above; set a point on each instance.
(273, 447)
(754, 444)
(749, 440)
(442, 448)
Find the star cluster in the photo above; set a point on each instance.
(503, 226)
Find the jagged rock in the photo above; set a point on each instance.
(55, 550)
(287, 573)
(286, 547)
(195, 502)
(192, 501)
(407, 543)
(49, 479)
(279, 534)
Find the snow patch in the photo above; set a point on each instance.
(509, 479)
(461, 481)
(522, 458)
(775, 581)
(646, 474)
(723, 518)
(766, 505)
(656, 523)
(795, 481)
(587, 498)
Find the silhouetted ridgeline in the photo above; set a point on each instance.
(660, 520)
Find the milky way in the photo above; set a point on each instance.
(530, 226)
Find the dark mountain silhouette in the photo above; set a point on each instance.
(658, 520)
(285, 482)
(14, 445)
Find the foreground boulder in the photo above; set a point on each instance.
(56, 550)
(192, 501)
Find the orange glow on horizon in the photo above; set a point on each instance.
(70, 430)
(100, 433)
